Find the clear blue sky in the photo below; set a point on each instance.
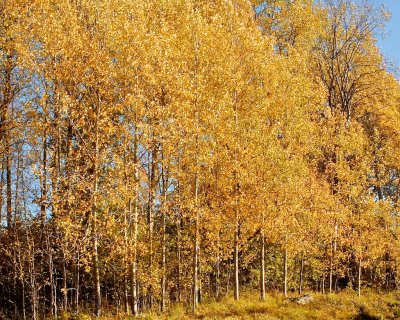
(390, 46)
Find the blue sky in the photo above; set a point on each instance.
(390, 46)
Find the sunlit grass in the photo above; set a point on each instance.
(345, 305)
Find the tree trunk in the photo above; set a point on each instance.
(32, 280)
(164, 225)
(77, 284)
(64, 290)
(301, 274)
(134, 295)
(151, 196)
(330, 274)
(178, 256)
(178, 240)
(200, 283)
(236, 195)
(217, 289)
(285, 272)
(96, 271)
(23, 300)
(262, 261)
(217, 274)
(195, 249)
(195, 267)
(53, 302)
(228, 277)
(43, 198)
(7, 98)
(331, 262)
(125, 288)
(359, 277)
(133, 274)
(8, 183)
(127, 213)
(236, 259)
(1, 190)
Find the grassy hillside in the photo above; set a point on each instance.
(333, 306)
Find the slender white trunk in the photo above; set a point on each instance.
(359, 277)
(301, 274)
(96, 271)
(133, 273)
(164, 225)
(262, 261)
(236, 195)
(195, 250)
(285, 272)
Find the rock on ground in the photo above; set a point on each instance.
(303, 299)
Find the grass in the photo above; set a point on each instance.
(345, 305)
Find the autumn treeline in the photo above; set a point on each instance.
(168, 151)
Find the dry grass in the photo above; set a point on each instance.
(345, 305)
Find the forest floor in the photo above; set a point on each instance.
(370, 306)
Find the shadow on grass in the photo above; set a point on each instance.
(363, 316)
